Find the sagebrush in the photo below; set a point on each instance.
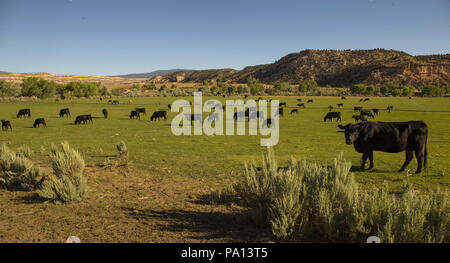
(307, 201)
(68, 183)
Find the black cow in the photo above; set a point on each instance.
(389, 108)
(63, 112)
(24, 112)
(301, 105)
(357, 108)
(6, 125)
(267, 122)
(376, 111)
(38, 122)
(105, 113)
(366, 99)
(359, 118)
(281, 111)
(331, 115)
(330, 108)
(115, 102)
(134, 115)
(299, 99)
(245, 96)
(141, 110)
(310, 101)
(294, 111)
(282, 104)
(340, 105)
(158, 115)
(391, 137)
(367, 113)
(83, 119)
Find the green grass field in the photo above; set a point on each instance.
(185, 167)
(152, 146)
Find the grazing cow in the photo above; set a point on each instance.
(340, 105)
(141, 110)
(282, 104)
(169, 106)
(330, 108)
(376, 111)
(357, 108)
(267, 122)
(294, 111)
(83, 119)
(194, 117)
(158, 115)
(359, 118)
(24, 112)
(115, 102)
(63, 112)
(391, 137)
(301, 105)
(281, 111)
(135, 115)
(343, 98)
(389, 108)
(5, 125)
(331, 115)
(361, 100)
(38, 122)
(367, 113)
(299, 99)
(310, 101)
(366, 99)
(105, 113)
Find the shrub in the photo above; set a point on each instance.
(68, 183)
(24, 151)
(308, 201)
(122, 148)
(17, 171)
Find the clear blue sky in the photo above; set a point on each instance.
(117, 37)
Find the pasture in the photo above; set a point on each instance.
(156, 196)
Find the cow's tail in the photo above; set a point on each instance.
(425, 154)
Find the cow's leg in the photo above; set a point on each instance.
(409, 156)
(364, 159)
(419, 157)
(371, 159)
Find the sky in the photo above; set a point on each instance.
(90, 37)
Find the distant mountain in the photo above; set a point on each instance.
(4, 72)
(150, 74)
(337, 68)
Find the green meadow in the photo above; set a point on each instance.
(153, 147)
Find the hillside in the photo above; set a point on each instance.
(338, 68)
(62, 79)
(150, 74)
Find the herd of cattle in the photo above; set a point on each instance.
(366, 136)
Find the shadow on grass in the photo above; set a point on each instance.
(32, 198)
(208, 225)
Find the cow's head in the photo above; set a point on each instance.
(351, 132)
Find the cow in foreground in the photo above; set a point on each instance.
(5, 125)
(38, 122)
(391, 137)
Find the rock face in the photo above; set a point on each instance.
(339, 68)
